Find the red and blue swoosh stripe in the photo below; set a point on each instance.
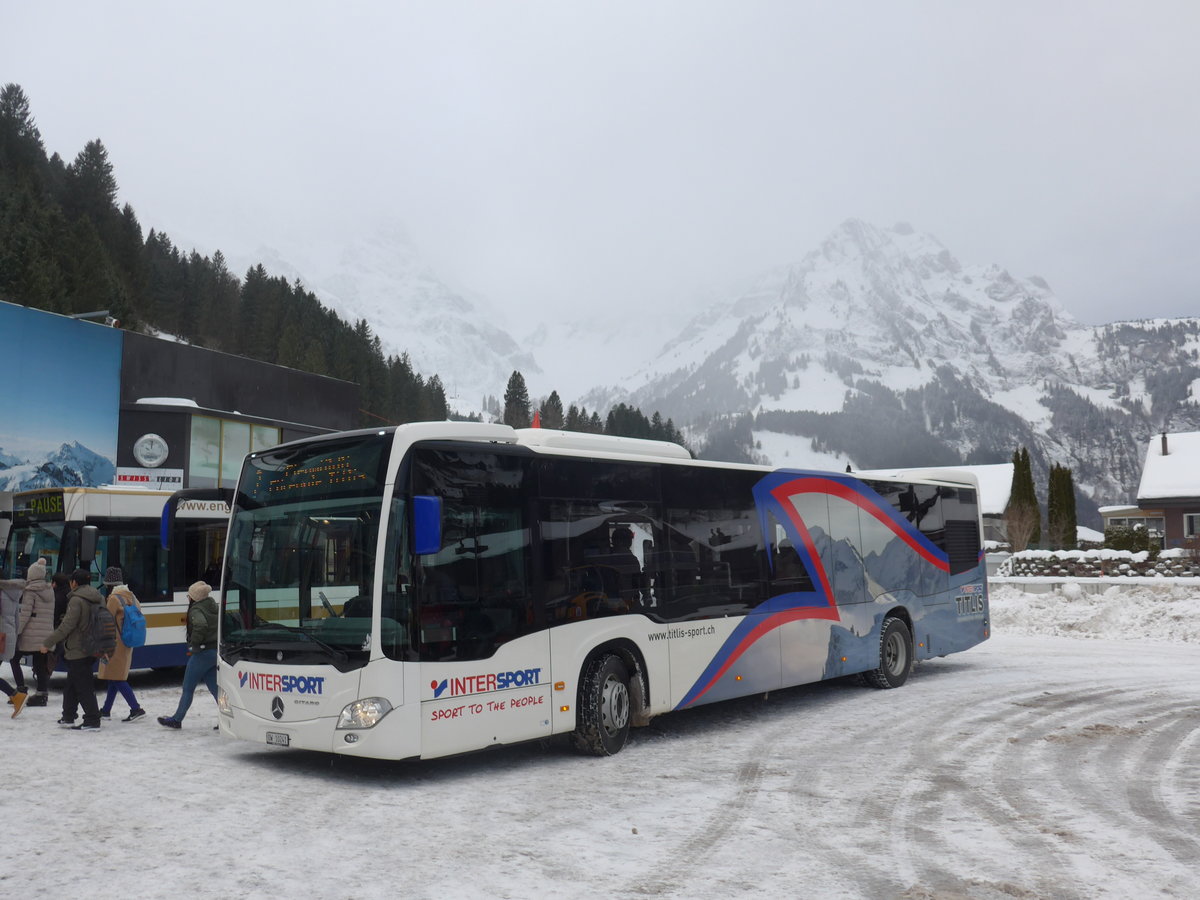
(775, 494)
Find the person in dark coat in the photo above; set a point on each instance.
(60, 582)
(202, 651)
(82, 603)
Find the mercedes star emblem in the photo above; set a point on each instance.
(277, 707)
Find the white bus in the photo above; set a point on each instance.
(158, 564)
(437, 588)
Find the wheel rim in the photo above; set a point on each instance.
(614, 704)
(894, 654)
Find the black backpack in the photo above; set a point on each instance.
(100, 639)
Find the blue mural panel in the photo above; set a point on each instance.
(58, 417)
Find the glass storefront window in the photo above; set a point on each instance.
(235, 444)
(218, 447)
(204, 458)
(263, 437)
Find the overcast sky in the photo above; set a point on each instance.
(637, 152)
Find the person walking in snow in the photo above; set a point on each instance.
(10, 605)
(115, 669)
(202, 651)
(35, 624)
(60, 583)
(82, 603)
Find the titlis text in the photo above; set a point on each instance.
(970, 605)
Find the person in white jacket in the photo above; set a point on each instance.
(34, 624)
(10, 605)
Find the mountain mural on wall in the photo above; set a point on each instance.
(71, 465)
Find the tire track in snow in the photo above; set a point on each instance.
(688, 857)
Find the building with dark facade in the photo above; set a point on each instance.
(94, 405)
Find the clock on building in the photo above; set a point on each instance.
(150, 450)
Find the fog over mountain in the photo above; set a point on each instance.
(383, 279)
(879, 348)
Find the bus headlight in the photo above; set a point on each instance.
(223, 703)
(365, 713)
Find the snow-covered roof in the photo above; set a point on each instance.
(167, 401)
(1118, 510)
(1174, 474)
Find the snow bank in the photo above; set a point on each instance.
(1156, 612)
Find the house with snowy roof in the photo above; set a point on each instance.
(1170, 487)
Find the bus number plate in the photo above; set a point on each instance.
(278, 738)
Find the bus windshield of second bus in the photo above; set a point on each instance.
(49, 522)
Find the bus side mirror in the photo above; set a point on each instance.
(427, 525)
(87, 544)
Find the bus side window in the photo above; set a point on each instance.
(715, 557)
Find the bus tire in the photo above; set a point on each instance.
(895, 655)
(604, 710)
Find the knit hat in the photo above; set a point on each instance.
(199, 590)
(37, 570)
(113, 575)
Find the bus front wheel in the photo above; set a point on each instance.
(603, 721)
(895, 655)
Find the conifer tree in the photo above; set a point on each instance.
(574, 420)
(94, 185)
(435, 402)
(516, 402)
(552, 411)
(1023, 518)
(1060, 509)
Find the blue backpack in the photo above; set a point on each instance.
(133, 626)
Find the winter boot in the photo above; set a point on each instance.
(38, 700)
(18, 702)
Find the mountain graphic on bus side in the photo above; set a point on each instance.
(778, 499)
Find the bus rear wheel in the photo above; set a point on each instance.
(603, 722)
(895, 655)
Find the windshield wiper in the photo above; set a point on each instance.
(333, 651)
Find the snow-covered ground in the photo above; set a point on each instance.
(1035, 765)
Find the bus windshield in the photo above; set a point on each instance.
(301, 557)
(29, 540)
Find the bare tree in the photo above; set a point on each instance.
(1020, 523)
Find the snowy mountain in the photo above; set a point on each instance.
(71, 465)
(383, 279)
(879, 348)
(882, 349)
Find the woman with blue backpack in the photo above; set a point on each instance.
(126, 609)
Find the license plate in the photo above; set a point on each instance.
(278, 738)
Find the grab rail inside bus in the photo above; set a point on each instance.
(225, 495)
